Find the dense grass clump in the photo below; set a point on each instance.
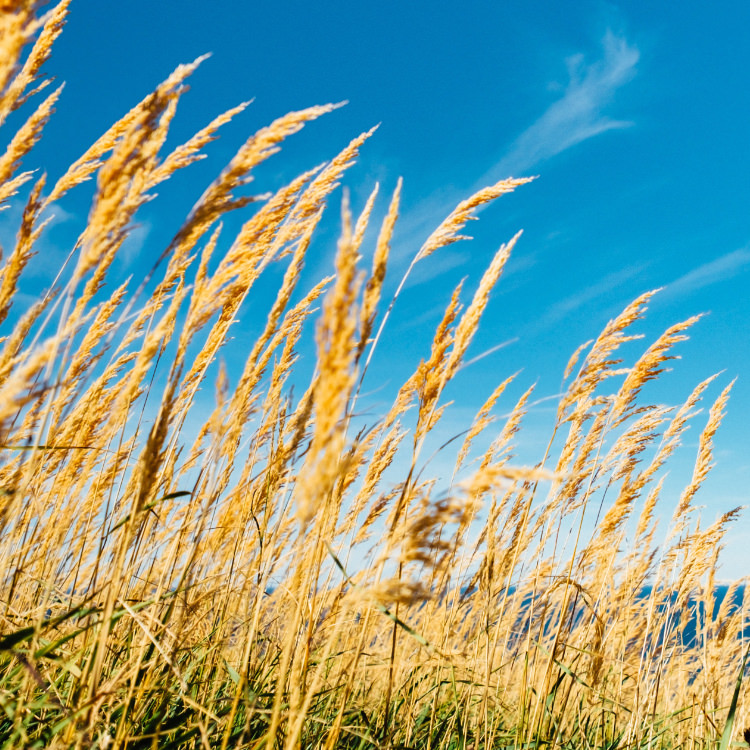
(269, 571)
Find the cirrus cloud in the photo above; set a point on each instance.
(579, 114)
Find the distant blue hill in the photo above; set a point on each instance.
(693, 615)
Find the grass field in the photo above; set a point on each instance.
(281, 575)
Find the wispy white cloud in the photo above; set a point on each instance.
(438, 265)
(488, 352)
(579, 114)
(51, 255)
(600, 289)
(725, 267)
(134, 243)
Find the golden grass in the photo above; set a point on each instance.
(267, 572)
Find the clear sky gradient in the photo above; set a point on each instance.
(635, 116)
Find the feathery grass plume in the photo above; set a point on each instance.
(153, 344)
(627, 448)
(481, 421)
(20, 145)
(123, 178)
(703, 461)
(648, 367)
(422, 541)
(447, 232)
(99, 324)
(646, 523)
(86, 165)
(625, 452)
(380, 460)
(573, 361)
(596, 365)
(17, 387)
(265, 245)
(487, 477)
(17, 25)
(313, 199)
(500, 449)
(583, 471)
(12, 344)
(671, 436)
(259, 235)
(17, 391)
(218, 198)
(336, 351)
(258, 359)
(363, 220)
(374, 284)
(190, 151)
(212, 295)
(698, 549)
(13, 95)
(195, 320)
(469, 322)
(244, 397)
(241, 404)
(28, 234)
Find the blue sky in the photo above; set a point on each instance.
(634, 116)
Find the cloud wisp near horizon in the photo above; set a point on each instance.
(724, 267)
